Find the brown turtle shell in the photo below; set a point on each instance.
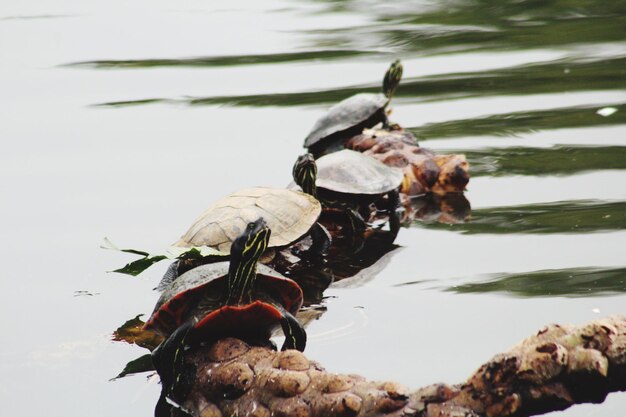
(290, 214)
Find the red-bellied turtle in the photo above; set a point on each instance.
(350, 116)
(237, 298)
(234, 298)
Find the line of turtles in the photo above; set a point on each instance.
(221, 285)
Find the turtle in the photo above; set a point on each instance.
(290, 214)
(350, 181)
(235, 297)
(238, 298)
(351, 115)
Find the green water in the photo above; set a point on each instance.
(128, 120)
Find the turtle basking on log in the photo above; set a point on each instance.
(350, 116)
(291, 215)
(348, 125)
(237, 298)
(348, 180)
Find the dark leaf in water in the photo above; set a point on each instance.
(139, 365)
(107, 244)
(137, 267)
(132, 332)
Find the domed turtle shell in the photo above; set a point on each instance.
(199, 295)
(354, 113)
(351, 172)
(289, 214)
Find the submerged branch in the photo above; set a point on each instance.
(552, 370)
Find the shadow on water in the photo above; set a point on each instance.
(583, 216)
(575, 282)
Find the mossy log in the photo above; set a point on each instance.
(552, 370)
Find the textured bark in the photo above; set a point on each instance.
(424, 171)
(552, 370)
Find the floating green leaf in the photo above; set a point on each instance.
(173, 252)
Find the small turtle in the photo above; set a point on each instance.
(237, 298)
(290, 215)
(351, 181)
(350, 116)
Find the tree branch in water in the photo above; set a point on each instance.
(558, 367)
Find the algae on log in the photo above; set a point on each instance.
(552, 370)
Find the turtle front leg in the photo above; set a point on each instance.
(170, 276)
(386, 122)
(393, 200)
(321, 239)
(295, 335)
(168, 359)
(356, 220)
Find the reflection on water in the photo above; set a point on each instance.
(558, 160)
(559, 217)
(459, 26)
(75, 172)
(556, 77)
(509, 124)
(219, 61)
(576, 282)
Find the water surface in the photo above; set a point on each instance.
(128, 120)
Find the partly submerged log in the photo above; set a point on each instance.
(424, 170)
(552, 370)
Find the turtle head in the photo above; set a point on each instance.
(392, 78)
(305, 173)
(244, 255)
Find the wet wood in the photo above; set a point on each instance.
(557, 367)
(424, 170)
